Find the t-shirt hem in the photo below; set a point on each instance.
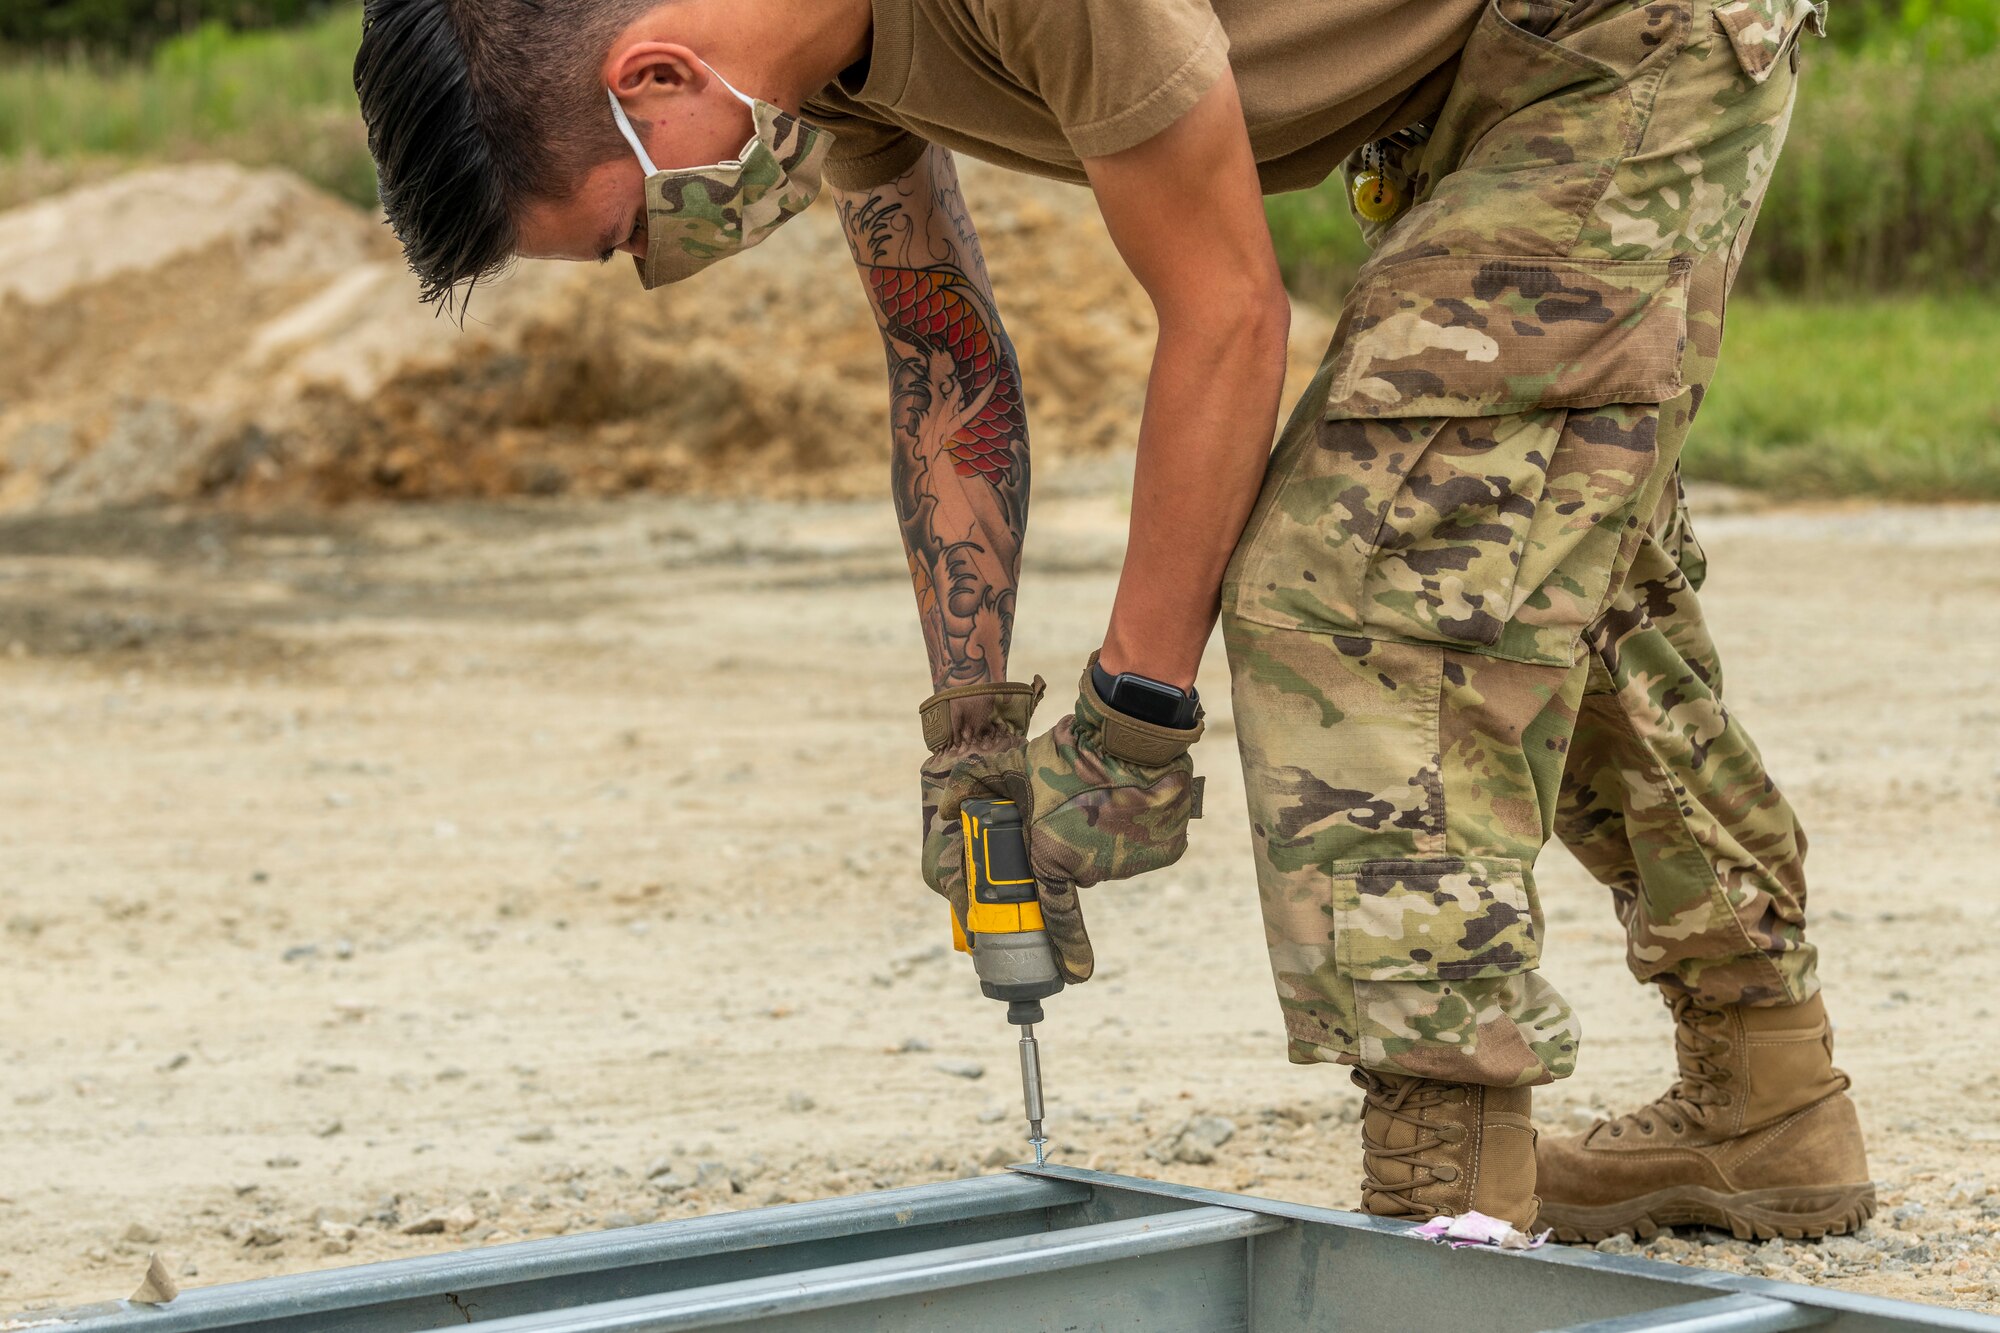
(1166, 104)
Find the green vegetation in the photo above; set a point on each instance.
(1319, 247)
(281, 98)
(1893, 397)
(127, 27)
(1890, 177)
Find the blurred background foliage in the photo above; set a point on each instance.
(1863, 344)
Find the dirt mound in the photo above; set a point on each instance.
(216, 332)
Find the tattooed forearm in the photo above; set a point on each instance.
(960, 436)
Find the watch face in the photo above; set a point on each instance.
(1147, 700)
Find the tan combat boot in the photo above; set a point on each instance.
(1757, 1137)
(1429, 1148)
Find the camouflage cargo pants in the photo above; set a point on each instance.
(1463, 615)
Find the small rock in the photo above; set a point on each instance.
(620, 1220)
(535, 1134)
(141, 1234)
(991, 1115)
(282, 1162)
(799, 1102)
(1211, 1131)
(300, 952)
(961, 1068)
(158, 1286)
(430, 1224)
(326, 1129)
(1907, 1214)
(263, 1235)
(912, 1046)
(659, 1166)
(448, 1073)
(1619, 1244)
(171, 1063)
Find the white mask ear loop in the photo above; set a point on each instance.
(631, 136)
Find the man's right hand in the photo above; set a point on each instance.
(1102, 796)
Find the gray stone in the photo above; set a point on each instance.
(961, 1068)
(1619, 1244)
(1211, 1131)
(141, 1234)
(535, 1134)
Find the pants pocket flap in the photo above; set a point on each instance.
(1484, 335)
(1441, 919)
(1760, 30)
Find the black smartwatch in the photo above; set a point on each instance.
(1146, 699)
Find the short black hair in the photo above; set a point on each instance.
(474, 107)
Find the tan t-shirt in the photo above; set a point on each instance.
(1037, 84)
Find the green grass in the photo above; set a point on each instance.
(1890, 177)
(1319, 247)
(1896, 398)
(275, 98)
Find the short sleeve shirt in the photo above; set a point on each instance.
(1038, 85)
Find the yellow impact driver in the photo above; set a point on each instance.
(1003, 932)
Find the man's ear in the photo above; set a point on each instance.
(648, 76)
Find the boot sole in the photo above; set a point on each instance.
(1801, 1213)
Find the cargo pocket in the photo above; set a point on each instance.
(1763, 31)
(1442, 919)
(1446, 483)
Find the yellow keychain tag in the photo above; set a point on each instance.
(1377, 198)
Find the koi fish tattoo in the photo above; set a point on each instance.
(960, 463)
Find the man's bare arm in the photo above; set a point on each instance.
(957, 424)
(1184, 209)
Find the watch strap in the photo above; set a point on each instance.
(1144, 743)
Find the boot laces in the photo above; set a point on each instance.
(1402, 1100)
(1701, 1048)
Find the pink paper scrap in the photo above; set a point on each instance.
(1479, 1229)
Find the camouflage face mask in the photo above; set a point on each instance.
(697, 215)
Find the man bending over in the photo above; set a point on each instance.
(1459, 597)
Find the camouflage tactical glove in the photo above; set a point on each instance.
(1103, 796)
(961, 724)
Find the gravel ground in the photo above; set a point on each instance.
(423, 878)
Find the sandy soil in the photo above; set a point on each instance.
(421, 878)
